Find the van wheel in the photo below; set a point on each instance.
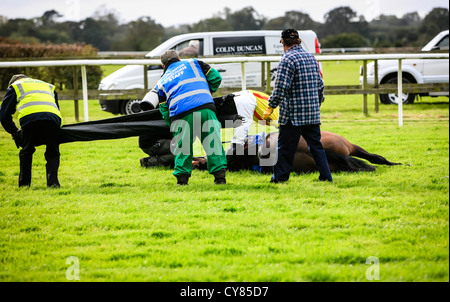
(392, 98)
(273, 74)
(130, 107)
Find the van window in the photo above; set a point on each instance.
(239, 46)
(443, 44)
(190, 48)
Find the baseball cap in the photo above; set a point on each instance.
(289, 33)
(15, 78)
(168, 55)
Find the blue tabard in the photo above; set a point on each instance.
(184, 86)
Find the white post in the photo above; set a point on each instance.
(85, 93)
(244, 82)
(400, 93)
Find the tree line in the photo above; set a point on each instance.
(342, 27)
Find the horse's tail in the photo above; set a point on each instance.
(343, 163)
(373, 158)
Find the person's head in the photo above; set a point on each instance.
(289, 38)
(168, 55)
(15, 78)
(193, 43)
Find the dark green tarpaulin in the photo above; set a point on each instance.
(149, 123)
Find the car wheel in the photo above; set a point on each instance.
(131, 107)
(273, 74)
(392, 98)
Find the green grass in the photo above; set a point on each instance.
(127, 223)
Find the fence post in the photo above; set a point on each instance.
(145, 79)
(400, 93)
(365, 111)
(268, 78)
(85, 93)
(377, 95)
(244, 81)
(75, 92)
(263, 74)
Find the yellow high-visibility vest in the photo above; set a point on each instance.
(34, 96)
(262, 101)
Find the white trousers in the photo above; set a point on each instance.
(245, 104)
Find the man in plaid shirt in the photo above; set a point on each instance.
(298, 91)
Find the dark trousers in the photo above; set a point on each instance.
(287, 146)
(36, 134)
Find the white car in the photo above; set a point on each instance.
(206, 44)
(419, 71)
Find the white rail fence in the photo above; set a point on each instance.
(242, 60)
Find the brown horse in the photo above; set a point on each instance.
(340, 154)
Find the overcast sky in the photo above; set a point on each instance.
(175, 12)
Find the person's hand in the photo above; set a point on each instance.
(18, 138)
(268, 113)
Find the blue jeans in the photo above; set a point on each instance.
(287, 146)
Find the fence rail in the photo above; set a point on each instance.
(363, 89)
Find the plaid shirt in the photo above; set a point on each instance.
(298, 88)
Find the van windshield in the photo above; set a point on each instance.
(191, 47)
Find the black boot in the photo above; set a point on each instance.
(25, 170)
(52, 167)
(219, 177)
(182, 180)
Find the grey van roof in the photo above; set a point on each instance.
(156, 52)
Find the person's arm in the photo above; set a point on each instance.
(214, 79)
(150, 100)
(164, 109)
(161, 96)
(212, 76)
(163, 106)
(55, 94)
(7, 110)
(321, 88)
(283, 82)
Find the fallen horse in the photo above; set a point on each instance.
(340, 154)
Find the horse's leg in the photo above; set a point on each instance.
(304, 163)
(373, 158)
(343, 163)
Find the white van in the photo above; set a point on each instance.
(204, 44)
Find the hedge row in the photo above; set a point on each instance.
(61, 77)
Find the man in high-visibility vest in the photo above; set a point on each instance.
(185, 101)
(40, 120)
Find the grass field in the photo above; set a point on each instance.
(126, 223)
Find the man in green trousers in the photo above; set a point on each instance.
(185, 101)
